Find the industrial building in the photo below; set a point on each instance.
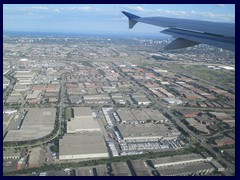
(24, 77)
(120, 169)
(84, 171)
(199, 168)
(6, 82)
(183, 165)
(172, 101)
(82, 146)
(34, 95)
(119, 99)
(140, 168)
(98, 99)
(100, 170)
(145, 131)
(141, 99)
(14, 99)
(156, 115)
(140, 115)
(34, 157)
(178, 160)
(82, 120)
(224, 141)
(37, 124)
(20, 87)
(125, 115)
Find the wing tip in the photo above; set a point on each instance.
(131, 19)
(130, 15)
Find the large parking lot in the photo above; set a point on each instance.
(151, 145)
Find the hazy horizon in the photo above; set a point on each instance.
(104, 17)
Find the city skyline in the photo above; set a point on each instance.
(104, 17)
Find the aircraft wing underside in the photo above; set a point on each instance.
(191, 32)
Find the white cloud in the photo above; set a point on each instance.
(136, 8)
(119, 19)
(115, 12)
(85, 9)
(208, 16)
(220, 5)
(34, 8)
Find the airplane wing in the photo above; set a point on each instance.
(190, 32)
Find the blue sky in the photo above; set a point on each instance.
(104, 17)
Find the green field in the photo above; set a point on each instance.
(218, 77)
(68, 113)
(215, 76)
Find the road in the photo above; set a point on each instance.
(61, 104)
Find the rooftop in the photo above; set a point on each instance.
(37, 123)
(179, 159)
(187, 168)
(90, 143)
(82, 121)
(139, 131)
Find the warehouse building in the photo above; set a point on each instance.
(82, 146)
(145, 131)
(100, 170)
(84, 171)
(120, 169)
(37, 124)
(156, 115)
(172, 101)
(82, 120)
(6, 82)
(178, 160)
(183, 165)
(98, 99)
(141, 100)
(125, 115)
(140, 168)
(34, 95)
(199, 168)
(24, 77)
(34, 157)
(140, 115)
(20, 87)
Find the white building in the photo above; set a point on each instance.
(82, 120)
(82, 146)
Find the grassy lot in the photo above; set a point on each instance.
(202, 72)
(215, 76)
(68, 113)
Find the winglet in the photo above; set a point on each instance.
(131, 19)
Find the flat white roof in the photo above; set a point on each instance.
(82, 121)
(89, 143)
(37, 123)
